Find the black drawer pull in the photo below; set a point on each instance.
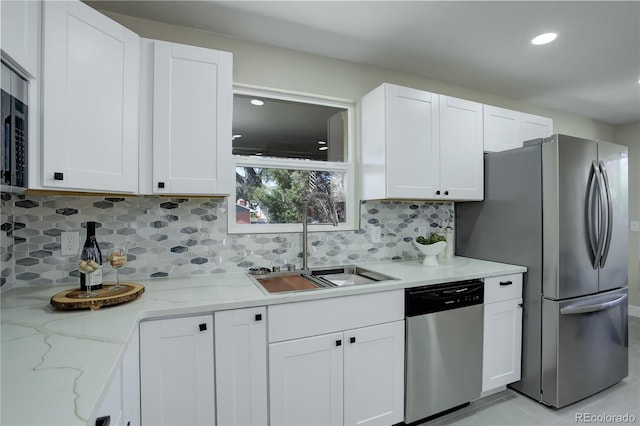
(506, 282)
(258, 317)
(161, 185)
(437, 192)
(203, 327)
(352, 339)
(446, 192)
(338, 342)
(58, 176)
(103, 421)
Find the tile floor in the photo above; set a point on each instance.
(509, 408)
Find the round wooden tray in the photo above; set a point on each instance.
(69, 299)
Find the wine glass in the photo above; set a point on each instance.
(117, 257)
(89, 260)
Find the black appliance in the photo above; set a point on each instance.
(14, 135)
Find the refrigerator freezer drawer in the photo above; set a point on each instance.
(585, 346)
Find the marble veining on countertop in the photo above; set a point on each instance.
(55, 365)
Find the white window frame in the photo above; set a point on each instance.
(347, 167)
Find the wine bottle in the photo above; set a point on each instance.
(92, 245)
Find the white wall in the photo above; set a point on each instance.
(629, 135)
(276, 68)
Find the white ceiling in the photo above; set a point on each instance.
(592, 69)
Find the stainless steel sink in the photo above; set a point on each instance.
(317, 278)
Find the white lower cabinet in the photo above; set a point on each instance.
(177, 381)
(120, 405)
(502, 345)
(321, 371)
(306, 381)
(241, 367)
(110, 411)
(131, 382)
(351, 378)
(374, 375)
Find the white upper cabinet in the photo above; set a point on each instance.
(420, 145)
(400, 154)
(186, 114)
(461, 164)
(534, 127)
(500, 128)
(21, 34)
(506, 129)
(90, 100)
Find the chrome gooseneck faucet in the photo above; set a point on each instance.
(334, 219)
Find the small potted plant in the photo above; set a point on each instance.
(431, 247)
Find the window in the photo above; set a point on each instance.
(286, 147)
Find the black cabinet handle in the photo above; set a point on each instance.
(58, 176)
(258, 317)
(437, 192)
(338, 342)
(506, 282)
(521, 305)
(446, 192)
(103, 421)
(352, 339)
(203, 327)
(161, 185)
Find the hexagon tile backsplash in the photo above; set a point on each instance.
(182, 236)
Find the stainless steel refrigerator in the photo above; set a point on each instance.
(559, 206)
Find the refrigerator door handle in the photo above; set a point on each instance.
(583, 309)
(591, 229)
(601, 228)
(609, 207)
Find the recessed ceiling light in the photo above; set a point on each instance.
(323, 148)
(322, 142)
(257, 102)
(544, 38)
(235, 137)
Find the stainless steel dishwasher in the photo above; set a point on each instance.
(444, 347)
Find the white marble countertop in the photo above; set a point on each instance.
(55, 365)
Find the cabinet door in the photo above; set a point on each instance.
(192, 110)
(500, 129)
(461, 163)
(131, 382)
(502, 343)
(374, 375)
(111, 406)
(534, 127)
(306, 381)
(412, 150)
(176, 371)
(90, 122)
(241, 367)
(20, 33)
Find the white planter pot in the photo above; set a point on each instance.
(431, 251)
